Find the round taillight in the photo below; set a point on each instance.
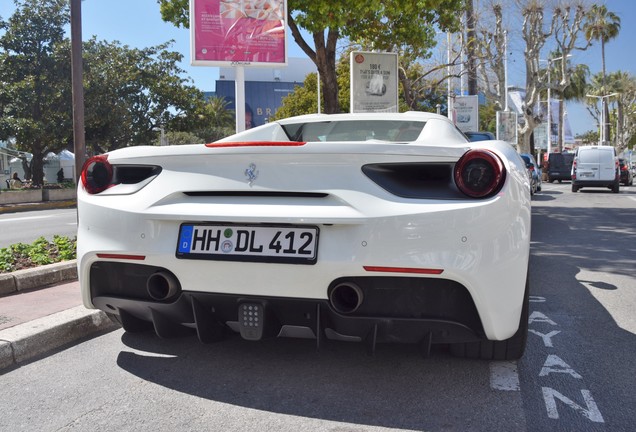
(479, 173)
(97, 174)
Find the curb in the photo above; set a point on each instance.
(38, 277)
(29, 340)
(47, 205)
(35, 338)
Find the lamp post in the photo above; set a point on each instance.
(549, 61)
(601, 134)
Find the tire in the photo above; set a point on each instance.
(550, 180)
(616, 187)
(509, 349)
(575, 188)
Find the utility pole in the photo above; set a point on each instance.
(79, 144)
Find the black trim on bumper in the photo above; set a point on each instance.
(393, 309)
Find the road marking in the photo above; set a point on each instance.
(591, 413)
(24, 218)
(504, 376)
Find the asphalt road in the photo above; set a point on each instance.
(25, 227)
(577, 374)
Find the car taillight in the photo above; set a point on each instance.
(97, 174)
(479, 173)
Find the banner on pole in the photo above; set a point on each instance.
(466, 113)
(507, 126)
(374, 82)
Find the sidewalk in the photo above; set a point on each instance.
(41, 310)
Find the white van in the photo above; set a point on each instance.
(595, 166)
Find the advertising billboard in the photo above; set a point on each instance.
(238, 32)
(374, 82)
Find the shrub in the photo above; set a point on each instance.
(21, 255)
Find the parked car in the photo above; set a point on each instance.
(626, 174)
(318, 226)
(480, 136)
(559, 166)
(534, 172)
(595, 166)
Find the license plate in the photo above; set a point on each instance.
(253, 243)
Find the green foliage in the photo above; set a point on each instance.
(128, 92)
(40, 252)
(304, 100)
(175, 11)
(35, 96)
(589, 137)
(488, 117)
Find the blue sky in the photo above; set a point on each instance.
(138, 23)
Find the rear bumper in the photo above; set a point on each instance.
(390, 309)
(594, 183)
(558, 175)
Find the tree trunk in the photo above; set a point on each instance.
(470, 48)
(37, 168)
(560, 124)
(604, 101)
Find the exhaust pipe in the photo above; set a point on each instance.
(162, 285)
(346, 297)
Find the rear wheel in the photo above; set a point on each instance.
(509, 349)
(616, 187)
(575, 188)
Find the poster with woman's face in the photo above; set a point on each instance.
(238, 32)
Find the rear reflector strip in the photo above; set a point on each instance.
(403, 270)
(121, 256)
(257, 144)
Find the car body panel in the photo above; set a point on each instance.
(364, 227)
(626, 172)
(595, 166)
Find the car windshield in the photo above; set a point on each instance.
(355, 130)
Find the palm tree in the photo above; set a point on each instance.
(602, 25)
(574, 92)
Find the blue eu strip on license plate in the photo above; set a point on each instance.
(253, 243)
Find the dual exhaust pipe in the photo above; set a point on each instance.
(162, 285)
(346, 297)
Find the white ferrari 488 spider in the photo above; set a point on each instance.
(353, 227)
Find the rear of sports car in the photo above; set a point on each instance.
(354, 241)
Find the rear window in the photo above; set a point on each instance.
(596, 155)
(561, 159)
(355, 130)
